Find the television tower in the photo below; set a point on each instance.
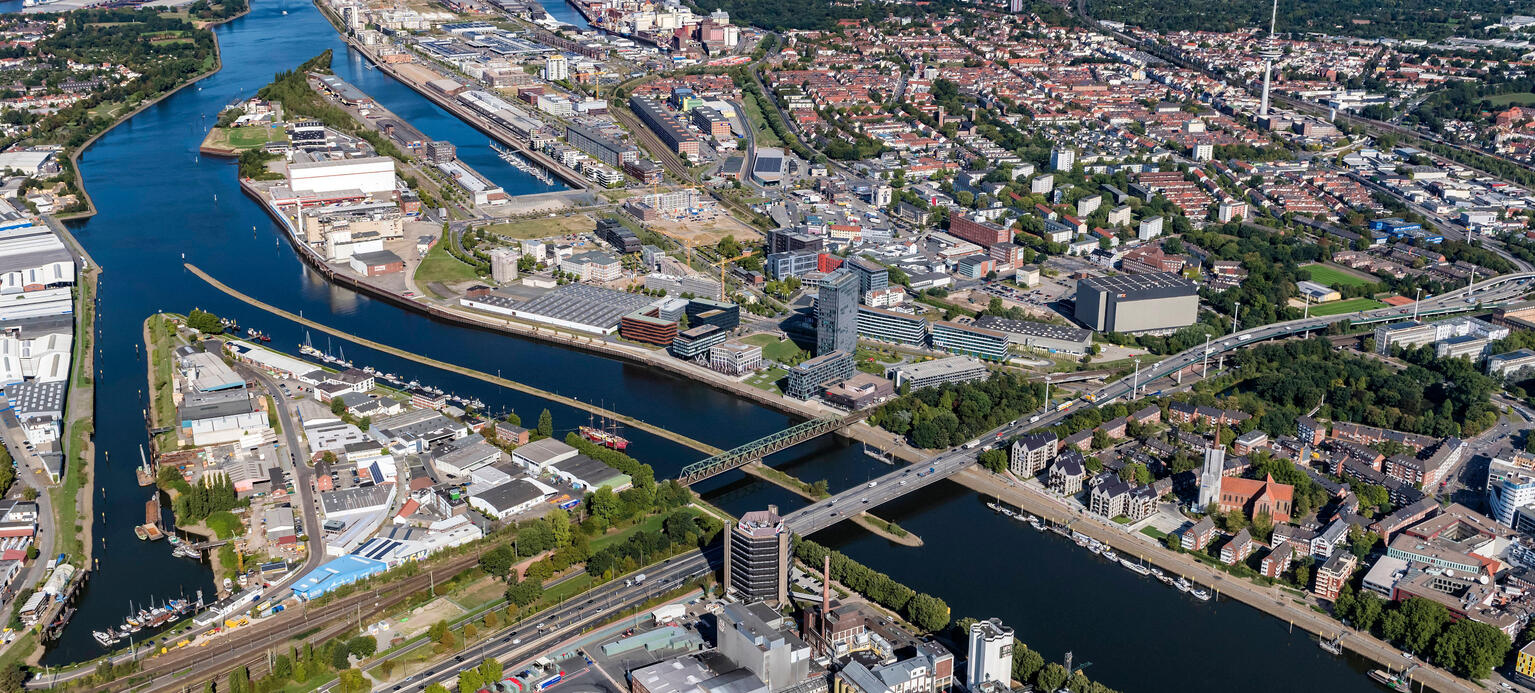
(1270, 52)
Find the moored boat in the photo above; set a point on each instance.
(1390, 680)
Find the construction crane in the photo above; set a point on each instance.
(596, 81)
(722, 264)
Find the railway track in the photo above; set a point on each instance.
(189, 668)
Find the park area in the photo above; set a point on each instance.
(1346, 306)
(776, 349)
(1335, 277)
(441, 266)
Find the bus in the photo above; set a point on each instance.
(546, 683)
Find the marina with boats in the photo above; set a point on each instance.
(394, 381)
(1180, 583)
(152, 616)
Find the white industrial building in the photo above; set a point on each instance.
(373, 174)
(36, 304)
(249, 430)
(34, 258)
(44, 358)
(991, 654)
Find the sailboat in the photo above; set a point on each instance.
(597, 432)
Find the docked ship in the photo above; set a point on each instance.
(150, 530)
(145, 472)
(1390, 680)
(600, 434)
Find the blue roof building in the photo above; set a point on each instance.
(342, 571)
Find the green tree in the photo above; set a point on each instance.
(352, 681)
(1026, 662)
(470, 681)
(363, 646)
(436, 688)
(1424, 621)
(1052, 677)
(490, 669)
(498, 561)
(1471, 649)
(240, 680)
(1135, 473)
(1367, 610)
(340, 656)
(545, 423)
(995, 460)
(928, 612)
(204, 322)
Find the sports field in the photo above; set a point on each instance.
(1346, 306)
(1332, 276)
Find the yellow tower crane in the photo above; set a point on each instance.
(722, 264)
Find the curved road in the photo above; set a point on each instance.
(834, 509)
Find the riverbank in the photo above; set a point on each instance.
(461, 370)
(74, 497)
(881, 528)
(74, 156)
(861, 432)
(566, 176)
(1275, 601)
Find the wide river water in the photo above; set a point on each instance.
(159, 201)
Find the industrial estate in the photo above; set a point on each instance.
(668, 347)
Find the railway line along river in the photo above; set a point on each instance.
(161, 205)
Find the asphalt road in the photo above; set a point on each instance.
(827, 512)
(302, 487)
(554, 626)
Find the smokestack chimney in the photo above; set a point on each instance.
(825, 602)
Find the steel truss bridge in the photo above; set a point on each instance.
(762, 447)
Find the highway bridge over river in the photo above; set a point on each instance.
(829, 511)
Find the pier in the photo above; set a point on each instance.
(479, 375)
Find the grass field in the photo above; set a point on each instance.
(1333, 276)
(773, 348)
(545, 226)
(1346, 306)
(439, 266)
(1522, 98)
(765, 135)
(241, 138)
(768, 380)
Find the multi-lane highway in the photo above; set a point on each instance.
(834, 509)
(540, 633)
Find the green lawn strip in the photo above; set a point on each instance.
(440, 266)
(65, 497)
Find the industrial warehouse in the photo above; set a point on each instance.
(1136, 303)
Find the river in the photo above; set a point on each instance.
(158, 200)
(565, 12)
